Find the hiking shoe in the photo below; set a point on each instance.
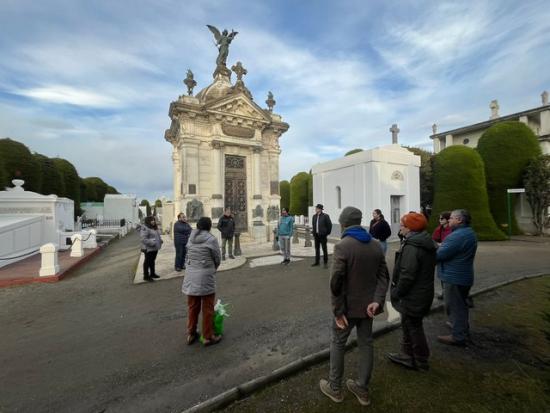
(450, 340)
(335, 395)
(359, 392)
(402, 360)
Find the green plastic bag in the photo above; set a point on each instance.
(220, 313)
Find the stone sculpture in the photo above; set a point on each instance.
(190, 82)
(223, 40)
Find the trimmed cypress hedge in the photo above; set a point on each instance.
(299, 194)
(506, 149)
(72, 182)
(20, 163)
(284, 190)
(459, 183)
(3, 175)
(52, 179)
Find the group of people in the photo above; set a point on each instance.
(360, 279)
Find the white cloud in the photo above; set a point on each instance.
(68, 95)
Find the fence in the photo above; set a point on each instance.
(103, 223)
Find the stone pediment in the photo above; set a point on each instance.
(238, 106)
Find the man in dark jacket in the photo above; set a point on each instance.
(455, 260)
(226, 225)
(358, 286)
(412, 290)
(322, 226)
(182, 230)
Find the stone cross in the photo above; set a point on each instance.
(394, 131)
(494, 109)
(239, 70)
(544, 96)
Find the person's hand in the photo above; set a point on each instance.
(341, 322)
(372, 309)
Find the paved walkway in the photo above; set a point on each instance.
(96, 342)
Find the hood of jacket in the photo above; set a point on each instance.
(357, 232)
(199, 237)
(421, 240)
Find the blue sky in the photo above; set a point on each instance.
(91, 81)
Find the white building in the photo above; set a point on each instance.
(113, 207)
(386, 178)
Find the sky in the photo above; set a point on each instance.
(91, 81)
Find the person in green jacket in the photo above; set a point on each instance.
(412, 290)
(285, 229)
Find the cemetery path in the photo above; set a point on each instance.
(96, 343)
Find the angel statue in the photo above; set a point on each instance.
(222, 43)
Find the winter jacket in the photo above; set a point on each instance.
(380, 230)
(441, 232)
(412, 287)
(202, 261)
(325, 224)
(182, 231)
(226, 225)
(359, 274)
(455, 257)
(150, 239)
(286, 226)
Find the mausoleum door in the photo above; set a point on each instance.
(395, 203)
(235, 190)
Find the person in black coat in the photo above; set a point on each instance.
(182, 230)
(380, 229)
(226, 225)
(322, 226)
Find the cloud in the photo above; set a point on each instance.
(69, 95)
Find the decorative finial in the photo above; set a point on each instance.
(270, 101)
(544, 96)
(190, 82)
(434, 128)
(494, 109)
(394, 132)
(239, 70)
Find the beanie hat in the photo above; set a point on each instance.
(414, 221)
(350, 216)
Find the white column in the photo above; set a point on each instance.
(76, 247)
(49, 264)
(191, 163)
(176, 170)
(448, 140)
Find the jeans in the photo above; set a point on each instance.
(456, 305)
(227, 241)
(414, 342)
(320, 241)
(338, 348)
(181, 252)
(149, 263)
(194, 303)
(384, 245)
(284, 244)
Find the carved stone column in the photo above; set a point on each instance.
(177, 169)
(257, 173)
(191, 170)
(218, 179)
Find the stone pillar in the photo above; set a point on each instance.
(237, 247)
(176, 167)
(448, 140)
(90, 239)
(49, 264)
(191, 170)
(76, 247)
(437, 145)
(217, 169)
(257, 173)
(544, 122)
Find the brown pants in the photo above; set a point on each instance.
(194, 308)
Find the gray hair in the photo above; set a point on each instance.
(464, 215)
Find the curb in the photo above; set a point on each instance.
(246, 389)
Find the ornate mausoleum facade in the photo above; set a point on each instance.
(226, 153)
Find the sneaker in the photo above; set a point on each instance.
(178, 269)
(359, 392)
(450, 340)
(335, 395)
(232, 257)
(155, 276)
(283, 262)
(287, 262)
(148, 279)
(402, 360)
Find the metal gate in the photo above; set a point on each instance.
(235, 190)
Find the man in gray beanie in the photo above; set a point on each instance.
(358, 285)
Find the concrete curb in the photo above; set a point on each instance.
(246, 389)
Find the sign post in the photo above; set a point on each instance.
(509, 193)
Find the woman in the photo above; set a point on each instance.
(199, 284)
(380, 229)
(412, 290)
(443, 229)
(150, 245)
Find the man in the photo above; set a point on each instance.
(285, 229)
(182, 230)
(455, 258)
(322, 226)
(226, 225)
(358, 285)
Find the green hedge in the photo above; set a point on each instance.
(459, 183)
(506, 149)
(52, 179)
(426, 175)
(299, 194)
(284, 191)
(21, 164)
(72, 182)
(348, 153)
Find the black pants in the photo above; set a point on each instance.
(414, 342)
(320, 240)
(181, 252)
(149, 263)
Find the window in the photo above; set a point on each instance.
(466, 141)
(339, 197)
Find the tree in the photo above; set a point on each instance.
(145, 203)
(52, 179)
(96, 189)
(459, 183)
(284, 190)
(537, 189)
(506, 149)
(112, 190)
(71, 180)
(310, 189)
(21, 164)
(3, 175)
(353, 151)
(426, 175)
(299, 194)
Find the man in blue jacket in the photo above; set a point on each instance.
(455, 260)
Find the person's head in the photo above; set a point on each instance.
(350, 216)
(204, 224)
(150, 222)
(284, 212)
(227, 212)
(413, 222)
(377, 214)
(460, 217)
(181, 217)
(318, 208)
(444, 218)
